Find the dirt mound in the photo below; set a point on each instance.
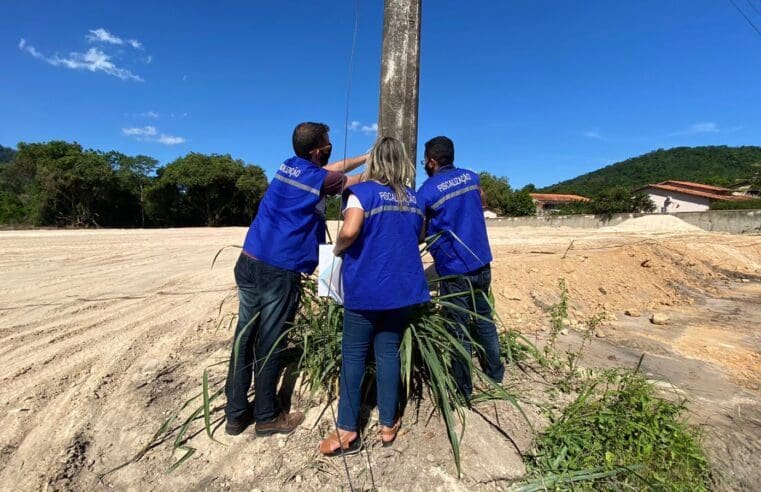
(653, 223)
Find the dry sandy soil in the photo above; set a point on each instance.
(105, 333)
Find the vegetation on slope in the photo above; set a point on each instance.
(6, 154)
(715, 165)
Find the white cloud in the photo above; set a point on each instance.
(357, 126)
(184, 78)
(707, 127)
(148, 59)
(149, 114)
(93, 60)
(151, 134)
(592, 134)
(101, 35)
(170, 140)
(146, 131)
(370, 129)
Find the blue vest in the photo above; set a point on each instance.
(289, 226)
(382, 269)
(452, 203)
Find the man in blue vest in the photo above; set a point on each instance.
(452, 199)
(281, 245)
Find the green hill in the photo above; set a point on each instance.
(715, 165)
(6, 154)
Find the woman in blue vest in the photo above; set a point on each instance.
(383, 280)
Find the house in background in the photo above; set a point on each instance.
(547, 203)
(685, 196)
(489, 213)
(750, 188)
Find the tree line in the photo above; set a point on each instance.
(514, 203)
(62, 184)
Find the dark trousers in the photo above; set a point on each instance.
(482, 329)
(382, 329)
(274, 294)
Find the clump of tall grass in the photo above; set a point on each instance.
(428, 349)
(618, 435)
(427, 352)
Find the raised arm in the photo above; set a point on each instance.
(346, 165)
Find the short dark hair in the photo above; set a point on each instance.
(441, 149)
(308, 136)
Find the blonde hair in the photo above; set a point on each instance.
(388, 164)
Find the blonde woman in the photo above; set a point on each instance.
(383, 280)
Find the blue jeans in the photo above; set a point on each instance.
(274, 294)
(384, 330)
(483, 331)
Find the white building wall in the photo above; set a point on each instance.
(679, 202)
(490, 214)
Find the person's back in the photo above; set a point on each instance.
(285, 232)
(452, 200)
(459, 244)
(382, 268)
(281, 244)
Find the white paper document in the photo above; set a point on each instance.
(329, 275)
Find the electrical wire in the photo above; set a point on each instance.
(747, 19)
(753, 6)
(343, 188)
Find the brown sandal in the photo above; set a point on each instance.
(388, 434)
(336, 445)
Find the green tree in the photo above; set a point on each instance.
(135, 175)
(502, 198)
(620, 200)
(496, 191)
(6, 154)
(732, 205)
(252, 183)
(211, 190)
(519, 204)
(333, 208)
(59, 183)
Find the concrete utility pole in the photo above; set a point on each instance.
(400, 72)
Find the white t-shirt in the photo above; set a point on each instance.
(352, 202)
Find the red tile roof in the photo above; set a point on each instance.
(699, 186)
(553, 197)
(687, 191)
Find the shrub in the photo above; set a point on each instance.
(619, 435)
(744, 205)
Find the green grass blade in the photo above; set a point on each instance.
(220, 251)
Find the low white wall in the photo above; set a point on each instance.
(731, 221)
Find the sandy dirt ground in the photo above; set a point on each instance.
(104, 333)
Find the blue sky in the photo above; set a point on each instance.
(538, 91)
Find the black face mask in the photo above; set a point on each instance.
(325, 157)
(428, 170)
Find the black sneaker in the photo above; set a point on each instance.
(233, 427)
